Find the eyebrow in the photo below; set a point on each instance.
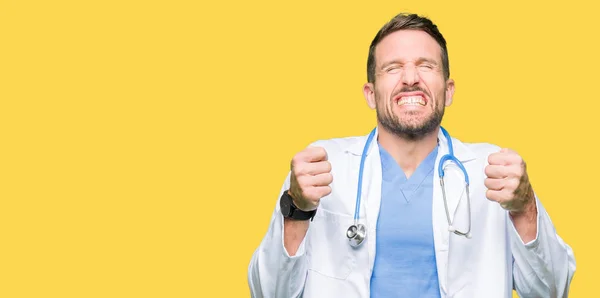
(419, 61)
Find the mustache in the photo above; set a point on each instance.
(411, 89)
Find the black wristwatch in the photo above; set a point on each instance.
(289, 209)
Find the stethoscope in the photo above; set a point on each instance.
(357, 232)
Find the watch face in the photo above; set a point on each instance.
(285, 206)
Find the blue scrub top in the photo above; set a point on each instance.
(405, 257)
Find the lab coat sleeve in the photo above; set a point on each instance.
(545, 266)
(272, 272)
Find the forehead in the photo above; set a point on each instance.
(407, 45)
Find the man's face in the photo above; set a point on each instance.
(410, 92)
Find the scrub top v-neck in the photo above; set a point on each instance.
(405, 257)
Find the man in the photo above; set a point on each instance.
(423, 239)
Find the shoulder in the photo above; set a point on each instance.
(483, 148)
(340, 145)
(480, 150)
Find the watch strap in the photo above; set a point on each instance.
(294, 211)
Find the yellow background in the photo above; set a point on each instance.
(143, 143)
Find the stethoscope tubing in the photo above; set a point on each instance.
(357, 232)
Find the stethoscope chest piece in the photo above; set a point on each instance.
(356, 234)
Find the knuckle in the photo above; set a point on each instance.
(302, 182)
(514, 183)
(329, 178)
(315, 195)
(518, 157)
(322, 152)
(489, 183)
(517, 171)
(323, 191)
(308, 151)
(488, 169)
(300, 169)
(308, 194)
(314, 150)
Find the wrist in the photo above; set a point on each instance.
(529, 211)
(525, 221)
(299, 203)
(291, 210)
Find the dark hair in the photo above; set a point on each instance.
(405, 21)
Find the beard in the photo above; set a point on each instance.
(410, 131)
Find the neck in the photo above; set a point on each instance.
(406, 152)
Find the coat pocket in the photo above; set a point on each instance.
(330, 253)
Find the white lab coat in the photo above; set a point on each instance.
(490, 264)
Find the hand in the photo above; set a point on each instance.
(310, 178)
(508, 183)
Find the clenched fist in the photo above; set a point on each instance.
(507, 181)
(310, 177)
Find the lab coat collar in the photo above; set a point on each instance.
(372, 197)
(461, 151)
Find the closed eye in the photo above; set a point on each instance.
(393, 68)
(427, 64)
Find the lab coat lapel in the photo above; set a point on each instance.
(454, 186)
(371, 189)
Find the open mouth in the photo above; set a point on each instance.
(411, 99)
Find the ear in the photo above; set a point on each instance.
(369, 93)
(449, 91)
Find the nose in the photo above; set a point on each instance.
(410, 75)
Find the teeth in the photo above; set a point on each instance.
(411, 100)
